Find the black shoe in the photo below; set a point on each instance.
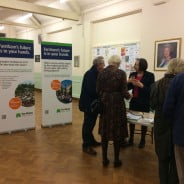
(89, 151)
(95, 144)
(130, 142)
(142, 144)
(117, 163)
(105, 162)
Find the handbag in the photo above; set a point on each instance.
(96, 106)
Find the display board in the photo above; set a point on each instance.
(56, 83)
(128, 53)
(16, 85)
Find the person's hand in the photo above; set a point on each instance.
(128, 96)
(131, 80)
(138, 84)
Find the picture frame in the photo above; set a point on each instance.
(165, 50)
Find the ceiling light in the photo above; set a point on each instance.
(63, 1)
(1, 28)
(24, 17)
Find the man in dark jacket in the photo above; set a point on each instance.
(88, 95)
(174, 110)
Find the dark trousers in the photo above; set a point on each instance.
(105, 147)
(87, 129)
(179, 153)
(164, 149)
(167, 171)
(143, 132)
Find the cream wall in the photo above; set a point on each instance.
(153, 23)
(9, 31)
(116, 31)
(32, 34)
(159, 23)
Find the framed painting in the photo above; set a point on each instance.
(165, 50)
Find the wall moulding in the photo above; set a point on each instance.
(133, 12)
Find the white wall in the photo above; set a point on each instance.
(9, 31)
(120, 30)
(154, 23)
(32, 34)
(160, 23)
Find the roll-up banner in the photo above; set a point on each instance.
(16, 85)
(56, 83)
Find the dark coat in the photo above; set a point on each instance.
(174, 108)
(88, 91)
(162, 126)
(142, 102)
(112, 88)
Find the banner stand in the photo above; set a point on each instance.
(17, 98)
(56, 83)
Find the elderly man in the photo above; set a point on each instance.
(173, 109)
(88, 95)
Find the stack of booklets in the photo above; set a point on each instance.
(133, 116)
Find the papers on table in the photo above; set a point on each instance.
(133, 116)
(143, 119)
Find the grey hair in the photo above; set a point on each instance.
(168, 46)
(113, 60)
(175, 66)
(98, 60)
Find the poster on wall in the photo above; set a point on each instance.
(16, 85)
(56, 83)
(127, 52)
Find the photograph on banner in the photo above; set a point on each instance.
(57, 83)
(16, 84)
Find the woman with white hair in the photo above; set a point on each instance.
(112, 89)
(162, 127)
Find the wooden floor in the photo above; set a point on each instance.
(53, 155)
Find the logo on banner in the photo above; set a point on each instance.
(23, 114)
(60, 110)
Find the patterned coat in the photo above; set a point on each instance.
(112, 89)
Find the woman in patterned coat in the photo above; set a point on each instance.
(112, 89)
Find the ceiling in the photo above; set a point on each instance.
(8, 15)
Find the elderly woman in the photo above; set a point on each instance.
(162, 128)
(112, 89)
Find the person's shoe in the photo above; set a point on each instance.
(105, 162)
(142, 144)
(95, 144)
(130, 142)
(89, 151)
(125, 144)
(117, 163)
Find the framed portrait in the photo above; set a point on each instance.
(165, 50)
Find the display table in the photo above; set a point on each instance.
(141, 118)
